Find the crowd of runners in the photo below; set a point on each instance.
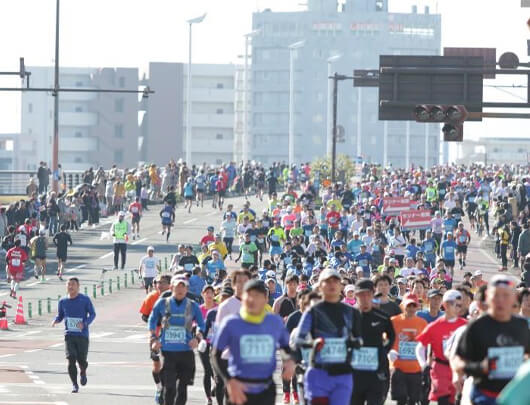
(360, 304)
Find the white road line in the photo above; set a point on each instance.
(139, 241)
(106, 255)
(189, 221)
(6, 355)
(101, 334)
(32, 351)
(81, 266)
(3, 294)
(57, 345)
(40, 382)
(31, 332)
(34, 283)
(211, 214)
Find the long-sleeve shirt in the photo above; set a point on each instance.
(75, 311)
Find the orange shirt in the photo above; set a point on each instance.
(406, 332)
(149, 303)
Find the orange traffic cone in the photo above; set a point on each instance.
(19, 318)
(3, 317)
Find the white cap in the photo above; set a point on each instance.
(150, 248)
(176, 280)
(121, 214)
(328, 273)
(451, 295)
(477, 273)
(270, 274)
(348, 288)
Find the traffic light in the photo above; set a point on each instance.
(453, 116)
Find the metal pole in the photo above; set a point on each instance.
(427, 146)
(188, 105)
(407, 145)
(55, 152)
(385, 143)
(291, 107)
(329, 129)
(359, 123)
(244, 142)
(334, 129)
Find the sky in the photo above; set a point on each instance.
(131, 33)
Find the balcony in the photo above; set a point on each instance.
(216, 145)
(212, 120)
(78, 119)
(72, 144)
(212, 95)
(78, 96)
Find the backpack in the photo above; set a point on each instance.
(188, 314)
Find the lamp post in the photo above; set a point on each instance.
(329, 128)
(246, 89)
(292, 49)
(196, 20)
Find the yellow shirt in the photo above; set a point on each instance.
(220, 247)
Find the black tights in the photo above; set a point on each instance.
(72, 368)
(208, 371)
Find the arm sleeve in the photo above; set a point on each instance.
(60, 312)
(220, 369)
(304, 327)
(357, 323)
(155, 316)
(91, 312)
(199, 319)
(391, 335)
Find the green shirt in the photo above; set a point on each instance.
(296, 232)
(247, 252)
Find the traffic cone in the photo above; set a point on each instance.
(3, 317)
(19, 318)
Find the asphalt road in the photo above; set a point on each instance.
(32, 365)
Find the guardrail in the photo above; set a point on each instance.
(15, 182)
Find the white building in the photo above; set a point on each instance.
(494, 150)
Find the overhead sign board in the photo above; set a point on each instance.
(489, 55)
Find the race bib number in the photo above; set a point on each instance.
(449, 250)
(188, 266)
(175, 334)
(134, 210)
(508, 360)
(407, 350)
(275, 238)
(165, 214)
(15, 262)
(256, 348)
(365, 359)
(72, 324)
(363, 263)
(463, 239)
(334, 350)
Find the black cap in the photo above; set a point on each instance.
(364, 284)
(433, 293)
(257, 285)
(468, 274)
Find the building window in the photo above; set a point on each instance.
(78, 134)
(495, 150)
(78, 159)
(121, 82)
(118, 156)
(118, 105)
(219, 111)
(219, 136)
(220, 86)
(78, 108)
(30, 108)
(520, 150)
(118, 131)
(78, 84)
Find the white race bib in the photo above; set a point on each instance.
(15, 262)
(407, 350)
(365, 359)
(256, 348)
(175, 334)
(188, 266)
(334, 350)
(72, 324)
(508, 361)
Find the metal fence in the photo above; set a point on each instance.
(15, 182)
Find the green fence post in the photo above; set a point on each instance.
(86, 291)
(40, 308)
(132, 277)
(110, 286)
(94, 292)
(165, 263)
(125, 280)
(102, 288)
(159, 265)
(49, 305)
(118, 282)
(30, 310)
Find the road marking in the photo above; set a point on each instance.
(1, 295)
(32, 351)
(6, 355)
(211, 214)
(189, 221)
(81, 266)
(31, 332)
(139, 241)
(57, 345)
(100, 335)
(40, 382)
(106, 255)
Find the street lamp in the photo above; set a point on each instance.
(292, 49)
(196, 20)
(329, 135)
(245, 136)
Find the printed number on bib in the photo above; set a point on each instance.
(407, 350)
(175, 334)
(15, 262)
(256, 348)
(334, 350)
(365, 359)
(508, 360)
(72, 324)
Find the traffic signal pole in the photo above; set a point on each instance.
(55, 145)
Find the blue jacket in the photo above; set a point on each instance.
(74, 311)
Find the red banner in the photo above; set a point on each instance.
(396, 205)
(416, 219)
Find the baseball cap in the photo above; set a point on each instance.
(502, 280)
(451, 295)
(121, 214)
(348, 288)
(256, 285)
(401, 280)
(151, 249)
(327, 274)
(208, 286)
(227, 291)
(210, 229)
(364, 284)
(179, 279)
(434, 292)
(477, 273)
(270, 274)
(410, 299)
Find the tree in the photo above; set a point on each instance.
(345, 167)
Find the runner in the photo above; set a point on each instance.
(252, 337)
(494, 346)
(463, 238)
(176, 314)
(16, 258)
(188, 194)
(200, 186)
(149, 269)
(120, 231)
(135, 208)
(167, 214)
(61, 241)
(371, 374)
(163, 285)
(78, 313)
(248, 253)
(204, 347)
(447, 252)
(329, 380)
(39, 246)
(436, 335)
